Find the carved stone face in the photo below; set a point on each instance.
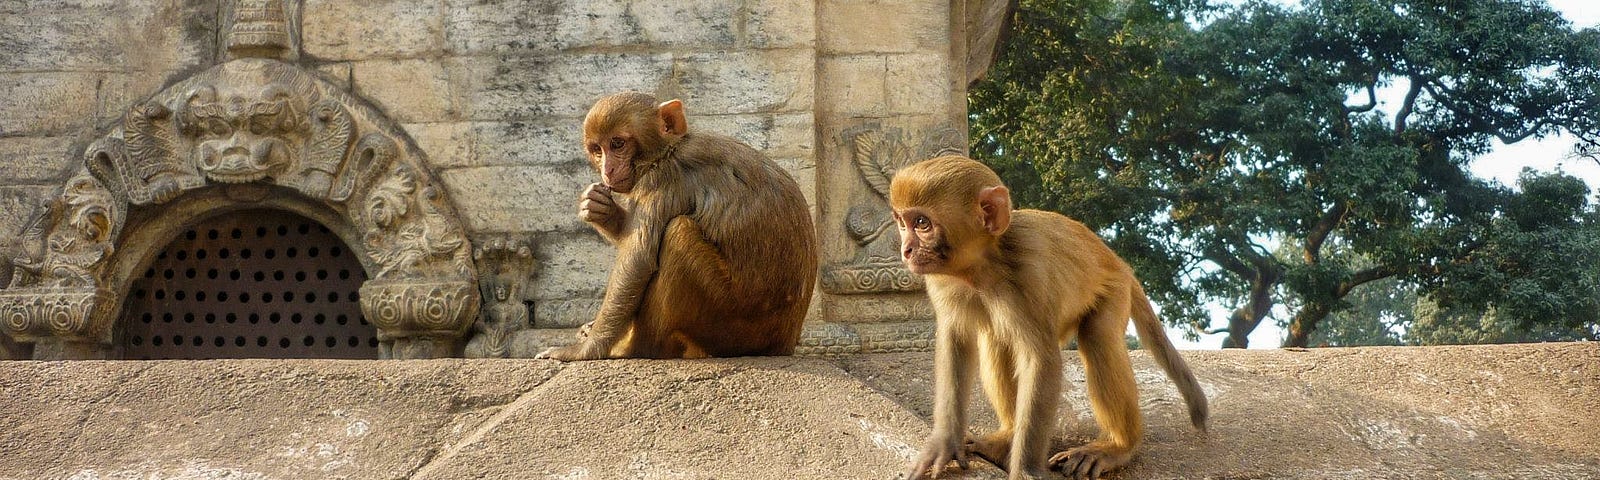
(243, 134)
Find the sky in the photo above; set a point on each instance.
(1503, 164)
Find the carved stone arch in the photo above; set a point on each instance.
(249, 133)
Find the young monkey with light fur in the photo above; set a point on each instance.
(1009, 289)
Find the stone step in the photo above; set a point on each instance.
(1493, 412)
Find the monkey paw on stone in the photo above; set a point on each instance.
(583, 350)
(936, 455)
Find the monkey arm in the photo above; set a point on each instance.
(952, 382)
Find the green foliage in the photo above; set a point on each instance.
(1199, 140)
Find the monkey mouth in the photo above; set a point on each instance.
(922, 260)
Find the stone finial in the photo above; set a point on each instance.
(260, 29)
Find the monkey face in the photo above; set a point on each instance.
(923, 246)
(614, 156)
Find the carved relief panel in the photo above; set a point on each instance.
(254, 122)
(878, 152)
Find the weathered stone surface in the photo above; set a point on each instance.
(448, 144)
(44, 104)
(776, 135)
(1487, 412)
(332, 29)
(145, 35)
(523, 88)
(921, 84)
(780, 24)
(578, 265)
(549, 141)
(535, 198)
(407, 90)
(35, 160)
(747, 82)
(857, 86)
(851, 26)
(537, 26)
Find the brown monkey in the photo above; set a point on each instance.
(716, 255)
(1009, 288)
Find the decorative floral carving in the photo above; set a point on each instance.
(151, 171)
(65, 313)
(420, 306)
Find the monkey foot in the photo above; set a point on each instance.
(994, 447)
(583, 350)
(1090, 461)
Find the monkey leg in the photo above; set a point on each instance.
(1037, 363)
(1113, 395)
(1000, 385)
(689, 310)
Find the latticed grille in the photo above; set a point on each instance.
(251, 284)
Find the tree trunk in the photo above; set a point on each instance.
(1245, 319)
(1305, 321)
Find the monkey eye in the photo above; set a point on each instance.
(617, 143)
(594, 149)
(921, 223)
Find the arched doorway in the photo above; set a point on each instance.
(249, 284)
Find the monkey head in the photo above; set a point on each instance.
(951, 212)
(627, 134)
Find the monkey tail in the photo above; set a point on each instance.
(1154, 338)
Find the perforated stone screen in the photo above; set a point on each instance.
(251, 284)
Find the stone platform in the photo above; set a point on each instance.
(1497, 412)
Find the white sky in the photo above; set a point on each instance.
(1503, 164)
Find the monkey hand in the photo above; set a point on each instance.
(596, 207)
(585, 349)
(936, 454)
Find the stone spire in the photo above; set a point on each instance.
(260, 29)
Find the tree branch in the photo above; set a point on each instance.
(1408, 105)
(1324, 227)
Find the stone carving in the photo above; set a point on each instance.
(505, 265)
(254, 127)
(67, 245)
(879, 152)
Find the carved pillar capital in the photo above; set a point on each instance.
(433, 313)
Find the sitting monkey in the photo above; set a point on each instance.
(1009, 289)
(716, 255)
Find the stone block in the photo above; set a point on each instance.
(448, 144)
(36, 160)
(543, 26)
(748, 81)
(537, 198)
(47, 103)
(91, 35)
(535, 26)
(701, 23)
(882, 26)
(921, 84)
(345, 30)
(562, 85)
(780, 25)
(564, 313)
(407, 90)
(858, 85)
(572, 265)
(339, 73)
(776, 135)
(551, 141)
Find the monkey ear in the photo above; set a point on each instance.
(996, 204)
(673, 123)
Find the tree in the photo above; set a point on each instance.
(1199, 150)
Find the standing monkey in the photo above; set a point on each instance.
(716, 255)
(1009, 288)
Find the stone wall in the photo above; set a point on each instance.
(492, 92)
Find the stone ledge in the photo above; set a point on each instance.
(1497, 412)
